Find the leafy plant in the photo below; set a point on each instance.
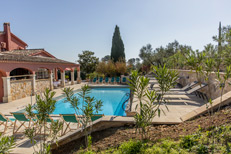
(90, 106)
(188, 141)
(149, 101)
(201, 149)
(130, 147)
(111, 69)
(195, 62)
(166, 80)
(45, 105)
(7, 143)
(222, 81)
(88, 61)
(138, 85)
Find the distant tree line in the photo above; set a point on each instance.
(176, 55)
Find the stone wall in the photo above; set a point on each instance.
(187, 76)
(41, 85)
(21, 89)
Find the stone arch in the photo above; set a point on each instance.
(24, 68)
(20, 73)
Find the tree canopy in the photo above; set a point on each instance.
(88, 61)
(159, 55)
(106, 58)
(117, 49)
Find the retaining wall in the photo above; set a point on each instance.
(188, 76)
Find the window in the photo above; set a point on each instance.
(42, 73)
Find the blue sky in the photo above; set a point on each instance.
(66, 28)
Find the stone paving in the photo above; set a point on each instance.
(177, 106)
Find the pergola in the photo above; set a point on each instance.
(10, 61)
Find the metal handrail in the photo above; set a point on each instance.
(127, 94)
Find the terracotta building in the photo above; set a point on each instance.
(25, 72)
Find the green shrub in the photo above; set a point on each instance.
(200, 149)
(130, 147)
(188, 141)
(165, 147)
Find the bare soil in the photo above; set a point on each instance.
(113, 137)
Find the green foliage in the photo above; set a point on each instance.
(149, 101)
(161, 55)
(138, 85)
(45, 105)
(111, 69)
(74, 101)
(197, 143)
(130, 147)
(106, 58)
(56, 127)
(30, 133)
(188, 141)
(89, 142)
(88, 61)
(90, 106)
(6, 144)
(134, 64)
(166, 147)
(93, 75)
(117, 49)
(200, 149)
(166, 78)
(223, 80)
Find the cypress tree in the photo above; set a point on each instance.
(117, 49)
(219, 39)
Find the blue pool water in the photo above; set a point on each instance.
(112, 99)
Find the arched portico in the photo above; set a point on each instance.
(30, 76)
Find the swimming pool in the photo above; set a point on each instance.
(112, 98)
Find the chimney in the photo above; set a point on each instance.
(8, 35)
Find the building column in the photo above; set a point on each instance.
(72, 77)
(56, 74)
(63, 78)
(78, 75)
(51, 80)
(34, 84)
(7, 90)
